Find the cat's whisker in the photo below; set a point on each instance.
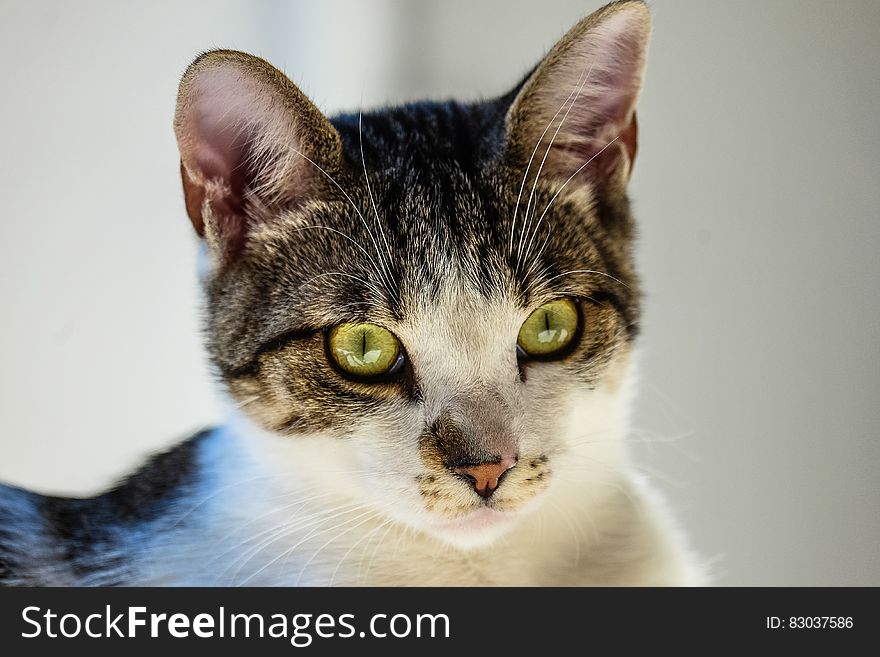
(372, 473)
(220, 492)
(275, 532)
(537, 281)
(631, 436)
(582, 81)
(363, 553)
(276, 510)
(625, 490)
(669, 481)
(364, 282)
(282, 533)
(390, 525)
(575, 534)
(246, 404)
(540, 284)
(649, 438)
(540, 529)
(537, 259)
(279, 532)
(247, 401)
(593, 441)
(310, 535)
(284, 529)
(305, 521)
(573, 292)
(602, 431)
(585, 271)
(385, 524)
(370, 516)
(357, 244)
(354, 545)
(572, 177)
(387, 280)
(553, 199)
(529, 165)
(373, 200)
(402, 536)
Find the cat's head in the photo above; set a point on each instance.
(432, 305)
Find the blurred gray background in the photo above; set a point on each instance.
(756, 187)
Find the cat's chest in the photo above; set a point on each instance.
(350, 546)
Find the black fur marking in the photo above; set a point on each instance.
(284, 339)
(252, 368)
(85, 532)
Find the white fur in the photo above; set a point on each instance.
(323, 510)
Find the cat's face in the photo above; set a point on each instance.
(433, 306)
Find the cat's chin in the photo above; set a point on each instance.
(475, 529)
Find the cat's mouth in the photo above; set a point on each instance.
(473, 524)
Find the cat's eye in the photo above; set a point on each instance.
(549, 329)
(364, 351)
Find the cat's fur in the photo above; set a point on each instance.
(447, 224)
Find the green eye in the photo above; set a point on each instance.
(549, 329)
(364, 351)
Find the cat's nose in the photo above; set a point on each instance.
(486, 477)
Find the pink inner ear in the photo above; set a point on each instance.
(223, 158)
(218, 134)
(222, 124)
(603, 66)
(242, 128)
(220, 156)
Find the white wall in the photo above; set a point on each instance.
(756, 188)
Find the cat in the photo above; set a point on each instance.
(424, 321)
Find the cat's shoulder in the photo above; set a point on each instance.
(166, 475)
(48, 539)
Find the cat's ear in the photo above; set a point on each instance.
(578, 105)
(250, 143)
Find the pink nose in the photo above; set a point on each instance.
(486, 477)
